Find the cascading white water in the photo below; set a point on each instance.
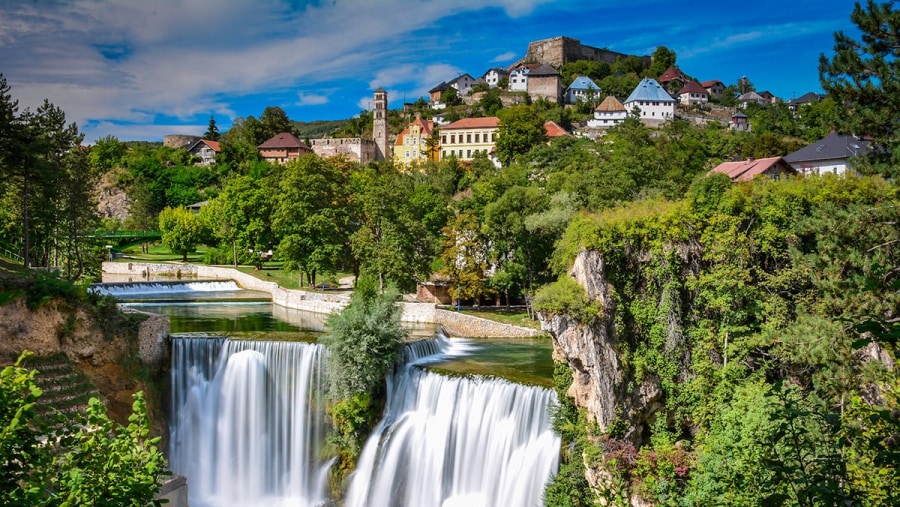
(457, 442)
(248, 422)
(139, 288)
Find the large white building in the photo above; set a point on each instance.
(651, 102)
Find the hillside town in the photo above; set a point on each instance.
(672, 94)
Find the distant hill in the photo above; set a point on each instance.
(318, 128)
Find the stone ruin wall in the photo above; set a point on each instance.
(353, 148)
(179, 141)
(558, 50)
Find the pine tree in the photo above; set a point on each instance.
(212, 132)
(863, 77)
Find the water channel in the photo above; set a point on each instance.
(467, 422)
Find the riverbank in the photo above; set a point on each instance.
(455, 323)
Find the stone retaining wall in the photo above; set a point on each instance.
(456, 324)
(459, 324)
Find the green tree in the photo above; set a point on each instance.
(212, 131)
(274, 121)
(88, 460)
(521, 129)
(864, 79)
(242, 217)
(451, 97)
(394, 243)
(364, 342)
(662, 59)
(465, 257)
(181, 230)
(107, 153)
(490, 103)
(311, 218)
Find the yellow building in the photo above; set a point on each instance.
(464, 138)
(412, 143)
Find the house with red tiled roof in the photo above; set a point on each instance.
(692, 93)
(412, 144)
(672, 79)
(467, 137)
(714, 88)
(746, 170)
(282, 148)
(205, 150)
(554, 130)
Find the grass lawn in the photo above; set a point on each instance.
(515, 317)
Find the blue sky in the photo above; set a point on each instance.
(139, 69)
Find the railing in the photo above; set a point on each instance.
(124, 234)
(11, 255)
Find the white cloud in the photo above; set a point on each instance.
(504, 57)
(138, 132)
(311, 99)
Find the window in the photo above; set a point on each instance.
(468, 153)
(453, 139)
(415, 153)
(477, 138)
(444, 139)
(407, 154)
(443, 153)
(469, 138)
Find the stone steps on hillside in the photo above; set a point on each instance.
(66, 389)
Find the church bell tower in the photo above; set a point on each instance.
(380, 125)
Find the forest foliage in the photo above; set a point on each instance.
(767, 313)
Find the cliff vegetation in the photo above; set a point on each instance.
(745, 349)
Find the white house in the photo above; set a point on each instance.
(714, 88)
(693, 93)
(205, 150)
(463, 84)
(651, 102)
(833, 154)
(493, 76)
(609, 113)
(518, 77)
(582, 88)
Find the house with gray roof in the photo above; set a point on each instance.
(650, 102)
(545, 81)
(833, 154)
(583, 89)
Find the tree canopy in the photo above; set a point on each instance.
(863, 77)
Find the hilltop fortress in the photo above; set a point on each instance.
(556, 51)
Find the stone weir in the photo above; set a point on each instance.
(455, 323)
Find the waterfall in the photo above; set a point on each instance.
(248, 422)
(457, 442)
(248, 426)
(139, 288)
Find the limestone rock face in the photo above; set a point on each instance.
(600, 382)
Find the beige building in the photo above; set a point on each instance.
(282, 148)
(412, 143)
(464, 138)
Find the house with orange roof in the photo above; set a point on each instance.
(467, 137)
(412, 144)
(554, 130)
(205, 150)
(282, 148)
(746, 170)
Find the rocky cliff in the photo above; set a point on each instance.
(118, 365)
(601, 383)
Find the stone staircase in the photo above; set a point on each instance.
(66, 389)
